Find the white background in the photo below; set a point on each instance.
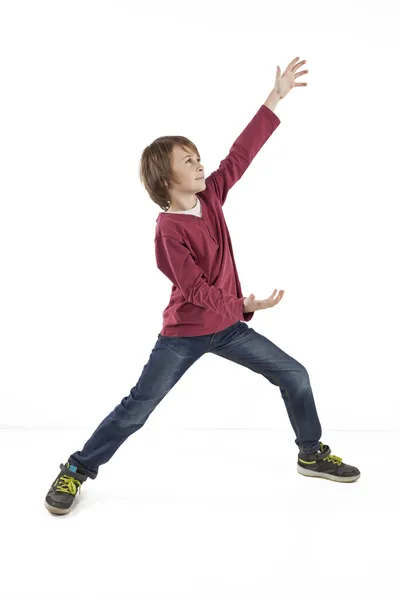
(85, 87)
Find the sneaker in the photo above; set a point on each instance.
(324, 464)
(61, 495)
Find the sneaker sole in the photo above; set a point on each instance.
(55, 510)
(309, 473)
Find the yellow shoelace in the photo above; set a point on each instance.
(335, 459)
(69, 485)
(331, 458)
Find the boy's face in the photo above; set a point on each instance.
(188, 169)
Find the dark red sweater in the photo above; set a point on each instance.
(195, 252)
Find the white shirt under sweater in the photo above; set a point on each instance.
(195, 211)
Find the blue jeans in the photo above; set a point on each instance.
(171, 357)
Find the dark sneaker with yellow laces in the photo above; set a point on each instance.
(61, 495)
(324, 464)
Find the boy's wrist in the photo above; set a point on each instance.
(272, 100)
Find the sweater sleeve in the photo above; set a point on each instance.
(243, 151)
(175, 261)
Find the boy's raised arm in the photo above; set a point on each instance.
(244, 149)
(254, 136)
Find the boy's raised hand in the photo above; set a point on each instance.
(250, 304)
(284, 83)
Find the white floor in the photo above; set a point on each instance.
(199, 514)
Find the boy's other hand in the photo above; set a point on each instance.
(250, 304)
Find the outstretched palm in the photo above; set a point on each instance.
(284, 83)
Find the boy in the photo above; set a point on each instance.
(206, 308)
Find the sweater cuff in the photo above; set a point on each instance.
(242, 315)
(270, 114)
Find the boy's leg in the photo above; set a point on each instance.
(170, 358)
(244, 346)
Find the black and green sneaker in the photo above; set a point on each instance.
(61, 495)
(324, 464)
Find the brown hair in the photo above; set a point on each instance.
(155, 167)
